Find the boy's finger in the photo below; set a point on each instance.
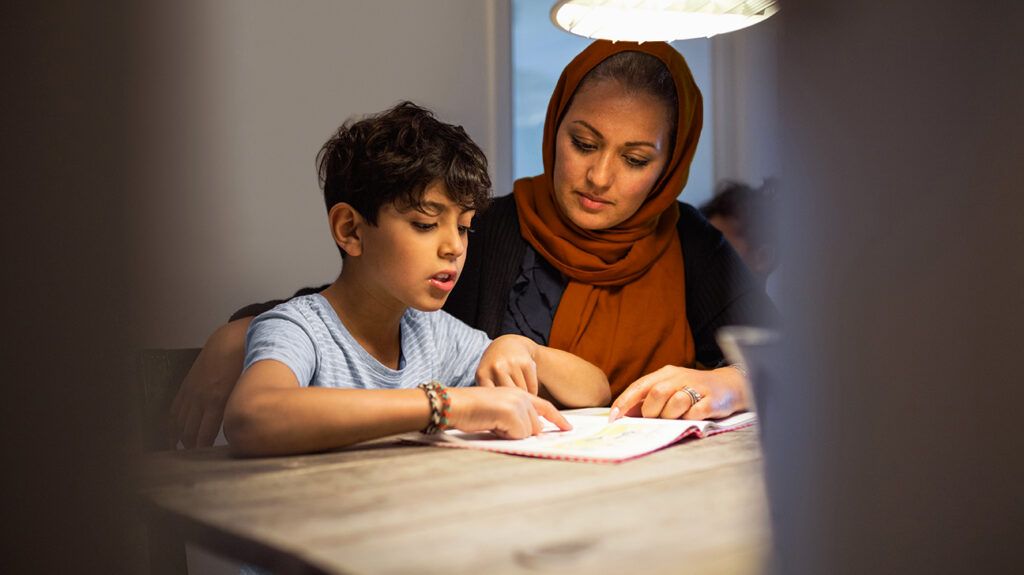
(536, 424)
(550, 413)
(530, 374)
(517, 379)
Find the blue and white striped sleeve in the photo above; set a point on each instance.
(460, 348)
(284, 338)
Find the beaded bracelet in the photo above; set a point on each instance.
(440, 406)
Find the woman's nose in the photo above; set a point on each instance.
(600, 172)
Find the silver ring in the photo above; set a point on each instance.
(695, 396)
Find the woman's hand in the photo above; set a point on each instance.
(509, 361)
(661, 394)
(507, 412)
(198, 408)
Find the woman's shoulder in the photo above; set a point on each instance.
(693, 221)
(499, 222)
(502, 208)
(696, 234)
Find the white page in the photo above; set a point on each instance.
(592, 437)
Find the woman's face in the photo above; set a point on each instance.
(609, 151)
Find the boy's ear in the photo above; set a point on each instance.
(347, 227)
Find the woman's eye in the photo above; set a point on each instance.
(463, 230)
(423, 227)
(636, 162)
(583, 146)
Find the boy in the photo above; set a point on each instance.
(362, 358)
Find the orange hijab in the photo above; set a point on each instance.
(624, 309)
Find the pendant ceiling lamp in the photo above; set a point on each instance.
(658, 20)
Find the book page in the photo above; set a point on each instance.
(592, 438)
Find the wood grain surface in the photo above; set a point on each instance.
(386, 507)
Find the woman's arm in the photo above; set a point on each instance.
(517, 361)
(198, 407)
(270, 414)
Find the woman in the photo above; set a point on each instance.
(594, 256)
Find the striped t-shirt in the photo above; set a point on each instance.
(306, 335)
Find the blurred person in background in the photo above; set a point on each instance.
(746, 216)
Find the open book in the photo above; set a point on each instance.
(592, 438)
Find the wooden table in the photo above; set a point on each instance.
(387, 507)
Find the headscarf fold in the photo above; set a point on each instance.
(624, 309)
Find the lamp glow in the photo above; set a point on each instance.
(658, 20)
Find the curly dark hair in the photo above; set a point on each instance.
(393, 156)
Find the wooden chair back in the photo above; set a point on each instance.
(161, 372)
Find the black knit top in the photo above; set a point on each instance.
(720, 290)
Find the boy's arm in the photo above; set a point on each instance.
(270, 414)
(517, 361)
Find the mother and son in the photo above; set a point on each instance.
(589, 283)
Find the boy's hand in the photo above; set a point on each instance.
(509, 362)
(507, 412)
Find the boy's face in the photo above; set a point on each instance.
(416, 256)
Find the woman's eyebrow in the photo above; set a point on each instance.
(600, 135)
(641, 143)
(589, 127)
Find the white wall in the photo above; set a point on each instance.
(746, 103)
(237, 99)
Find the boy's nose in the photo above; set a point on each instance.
(452, 245)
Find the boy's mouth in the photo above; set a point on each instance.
(444, 281)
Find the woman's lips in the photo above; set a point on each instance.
(592, 204)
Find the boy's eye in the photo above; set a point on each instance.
(582, 146)
(423, 227)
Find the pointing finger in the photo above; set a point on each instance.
(634, 394)
(547, 410)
